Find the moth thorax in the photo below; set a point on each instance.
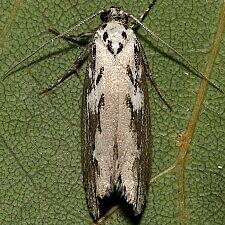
(114, 13)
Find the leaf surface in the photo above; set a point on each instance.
(40, 168)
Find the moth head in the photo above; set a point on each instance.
(114, 13)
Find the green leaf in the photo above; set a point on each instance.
(40, 168)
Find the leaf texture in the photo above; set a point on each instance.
(40, 168)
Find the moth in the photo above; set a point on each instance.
(116, 121)
(116, 136)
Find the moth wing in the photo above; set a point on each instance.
(141, 122)
(89, 126)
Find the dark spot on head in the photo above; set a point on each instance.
(109, 46)
(120, 48)
(124, 35)
(105, 36)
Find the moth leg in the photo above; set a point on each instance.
(81, 39)
(73, 70)
(136, 26)
(150, 75)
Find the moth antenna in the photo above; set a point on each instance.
(136, 26)
(7, 73)
(157, 38)
(151, 5)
